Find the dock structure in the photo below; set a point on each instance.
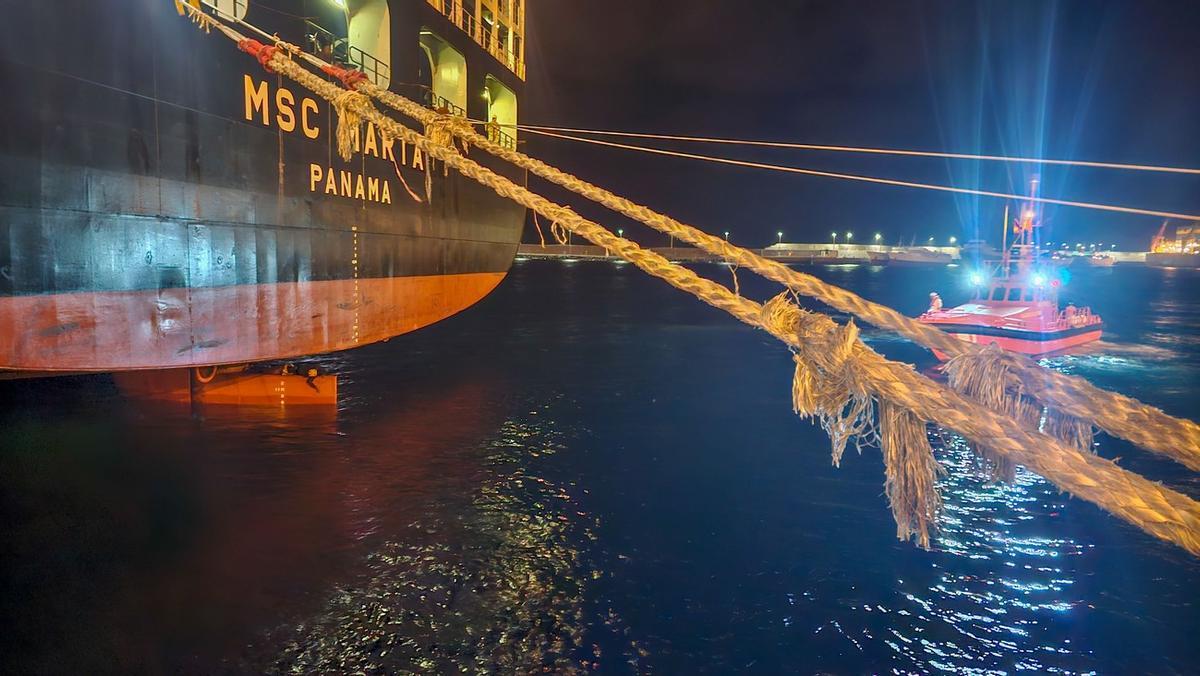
(791, 252)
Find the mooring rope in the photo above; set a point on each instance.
(870, 179)
(847, 377)
(1123, 166)
(1117, 414)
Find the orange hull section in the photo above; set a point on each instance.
(171, 328)
(238, 389)
(1030, 347)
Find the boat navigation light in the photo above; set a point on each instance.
(1039, 280)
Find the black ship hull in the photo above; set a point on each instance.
(165, 202)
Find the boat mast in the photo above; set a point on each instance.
(1004, 238)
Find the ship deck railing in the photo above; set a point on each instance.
(482, 33)
(439, 102)
(340, 50)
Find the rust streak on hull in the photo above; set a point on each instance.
(170, 328)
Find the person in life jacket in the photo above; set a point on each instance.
(935, 302)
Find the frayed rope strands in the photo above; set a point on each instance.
(1146, 426)
(1158, 510)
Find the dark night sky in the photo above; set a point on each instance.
(1115, 80)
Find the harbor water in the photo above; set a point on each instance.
(586, 471)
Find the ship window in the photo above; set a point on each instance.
(1014, 293)
(371, 40)
(447, 73)
(501, 108)
(235, 9)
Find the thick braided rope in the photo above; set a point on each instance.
(1156, 509)
(1119, 415)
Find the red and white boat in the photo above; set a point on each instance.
(1017, 306)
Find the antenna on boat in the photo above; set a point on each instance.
(1004, 237)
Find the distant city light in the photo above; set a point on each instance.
(953, 239)
(931, 240)
(620, 232)
(878, 237)
(780, 233)
(834, 235)
(726, 235)
(849, 236)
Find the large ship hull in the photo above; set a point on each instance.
(164, 202)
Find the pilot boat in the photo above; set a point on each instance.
(1017, 306)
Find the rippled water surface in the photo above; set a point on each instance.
(586, 471)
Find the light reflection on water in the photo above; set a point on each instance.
(1014, 577)
(500, 588)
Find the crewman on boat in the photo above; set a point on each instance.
(935, 302)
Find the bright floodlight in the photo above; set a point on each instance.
(976, 279)
(1039, 280)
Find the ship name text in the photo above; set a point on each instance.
(303, 116)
